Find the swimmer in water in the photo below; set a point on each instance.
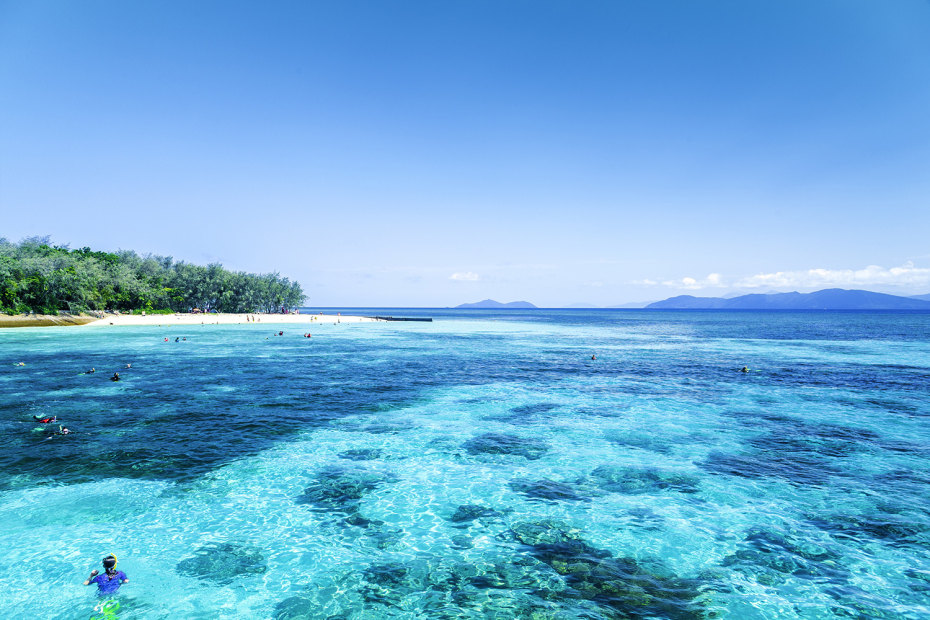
(62, 430)
(744, 369)
(115, 377)
(90, 372)
(129, 365)
(50, 420)
(110, 581)
(594, 357)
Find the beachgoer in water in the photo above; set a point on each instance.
(110, 581)
(280, 333)
(129, 365)
(177, 339)
(115, 377)
(50, 420)
(90, 372)
(744, 369)
(594, 357)
(166, 340)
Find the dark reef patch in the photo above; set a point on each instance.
(804, 469)
(500, 443)
(641, 440)
(223, 562)
(646, 518)
(888, 528)
(548, 490)
(466, 513)
(770, 557)
(524, 414)
(295, 608)
(621, 587)
(496, 586)
(534, 409)
(362, 454)
(632, 480)
(341, 489)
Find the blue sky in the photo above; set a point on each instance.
(433, 153)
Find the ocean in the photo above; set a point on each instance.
(482, 465)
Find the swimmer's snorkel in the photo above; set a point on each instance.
(109, 564)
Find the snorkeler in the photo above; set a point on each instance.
(90, 372)
(50, 420)
(110, 581)
(115, 377)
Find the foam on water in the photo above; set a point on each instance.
(478, 466)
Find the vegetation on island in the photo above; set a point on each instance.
(36, 276)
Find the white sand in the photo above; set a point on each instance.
(223, 319)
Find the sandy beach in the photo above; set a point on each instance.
(118, 320)
(43, 320)
(223, 319)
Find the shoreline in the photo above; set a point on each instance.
(44, 320)
(122, 320)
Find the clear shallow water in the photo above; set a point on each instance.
(478, 466)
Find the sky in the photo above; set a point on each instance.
(434, 153)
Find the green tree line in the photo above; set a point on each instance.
(36, 276)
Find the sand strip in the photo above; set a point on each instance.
(223, 319)
(43, 320)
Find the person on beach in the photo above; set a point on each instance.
(110, 581)
(115, 377)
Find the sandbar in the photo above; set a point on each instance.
(122, 320)
(118, 320)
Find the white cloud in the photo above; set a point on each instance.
(465, 276)
(907, 275)
(713, 280)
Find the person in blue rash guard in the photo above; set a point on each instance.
(110, 581)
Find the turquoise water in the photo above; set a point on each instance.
(479, 466)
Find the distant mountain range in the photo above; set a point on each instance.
(827, 299)
(490, 304)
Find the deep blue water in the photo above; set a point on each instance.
(482, 465)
